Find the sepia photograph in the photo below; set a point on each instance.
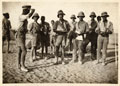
(60, 42)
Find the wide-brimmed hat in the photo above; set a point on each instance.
(93, 14)
(81, 14)
(6, 15)
(35, 15)
(26, 6)
(73, 16)
(104, 14)
(60, 12)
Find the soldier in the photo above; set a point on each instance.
(45, 37)
(34, 30)
(91, 36)
(21, 36)
(71, 34)
(6, 26)
(52, 37)
(61, 28)
(104, 28)
(81, 28)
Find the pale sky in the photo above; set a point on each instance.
(50, 9)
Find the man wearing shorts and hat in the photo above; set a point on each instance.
(104, 28)
(21, 35)
(91, 36)
(61, 28)
(35, 31)
(71, 34)
(81, 28)
(6, 26)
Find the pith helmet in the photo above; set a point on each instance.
(35, 15)
(26, 6)
(81, 14)
(73, 16)
(104, 14)
(60, 12)
(93, 14)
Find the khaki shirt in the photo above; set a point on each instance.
(105, 27)
(61, 26)
(81, 27)
(34, 28)
(72, 25)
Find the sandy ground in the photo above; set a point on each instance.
(44, 71)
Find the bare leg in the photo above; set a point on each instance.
(42, 50)
(19, 57)
(23, 55)
(8, 46)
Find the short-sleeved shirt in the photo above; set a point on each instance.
(34, 28)
(61, 26)
(72, 25)
(81, 27)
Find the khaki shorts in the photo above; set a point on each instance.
(61, 40)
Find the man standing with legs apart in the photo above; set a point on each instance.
(104, 28)
(34, 30)
(6, 26)
(21, 35)
(91, 36)
(45, 36)
(61, 27)
(81, 28)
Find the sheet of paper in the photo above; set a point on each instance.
(79, 38)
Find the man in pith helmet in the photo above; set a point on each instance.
(105, 27)
(21, 35)
(34, 31)
(81, 28)
(91, 36)
(71, 34)
(61, 28)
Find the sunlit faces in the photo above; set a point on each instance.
(43, 18)
(35, 18)
(61, 16)
(52, 22)
(104, 18)
(81, 18)
(92, 17)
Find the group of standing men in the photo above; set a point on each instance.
(63, 33)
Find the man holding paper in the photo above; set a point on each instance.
(81, 28)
